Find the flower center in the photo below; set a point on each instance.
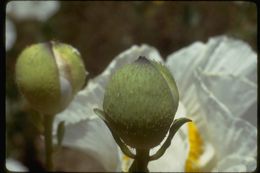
(126, 162)
(195, 150)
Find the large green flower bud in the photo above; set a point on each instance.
(140, 103)
(49, 75)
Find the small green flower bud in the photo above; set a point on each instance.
(49, 75)
(140, 103)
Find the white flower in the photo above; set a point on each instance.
(39, 10)
(10, 34)
(22, 10)
(217, 84)
(15, 166)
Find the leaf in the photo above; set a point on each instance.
(174, 128)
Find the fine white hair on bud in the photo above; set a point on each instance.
(49, 75)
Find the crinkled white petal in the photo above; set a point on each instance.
(39, 10)
(81, 108)
(233, 162)
(206, 96)
(222, 91)
(174, 159)
(183, 62)
(15, 166)
(223, 57)
(94, 138)
(231, 56)
(228, 133)
(10, 34)
(235, 92)
(208, 158)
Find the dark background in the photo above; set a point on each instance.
(101, 30)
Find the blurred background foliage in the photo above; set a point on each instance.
(101, 30)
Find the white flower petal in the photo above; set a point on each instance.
(81, 108)
(205, 96)
(94, 138)
(228, 133)
(231, 56)
(208, 158)
(182, 65)
(15, 166)
(241, 91)
(174, 158)
(215, 113)
(221, 56)
(10, 34)
(40, 10)
(183, 62)
(232, 163)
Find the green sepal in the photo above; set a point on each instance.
(120, 143)
(173, 129)
(100, 114)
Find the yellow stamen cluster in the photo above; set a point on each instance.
(196, 149)
(126, 162)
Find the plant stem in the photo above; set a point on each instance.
(141, 161)
(48, 119)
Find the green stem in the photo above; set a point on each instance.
(141, 161)
(48, 119)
